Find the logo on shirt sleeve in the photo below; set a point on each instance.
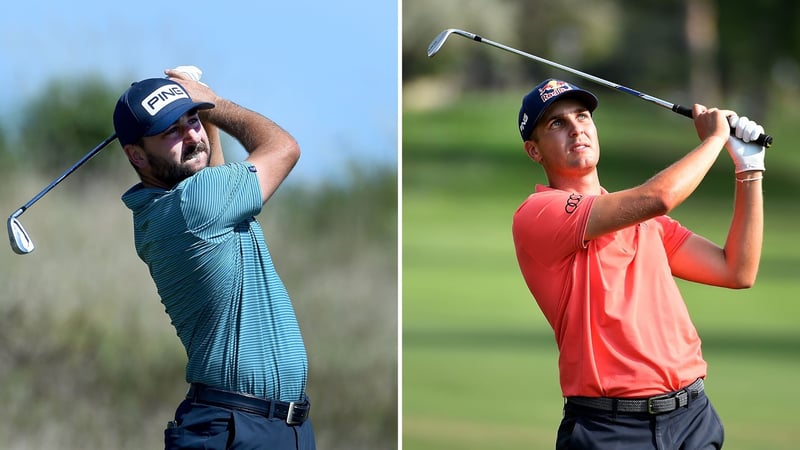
(572, 203)
(252, 168)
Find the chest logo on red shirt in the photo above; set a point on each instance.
(572, 203)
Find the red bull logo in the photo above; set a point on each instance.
(553, 89)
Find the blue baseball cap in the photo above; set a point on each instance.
(545, 94)
(151, 106)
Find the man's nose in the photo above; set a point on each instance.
(576, 127)
(191, 135)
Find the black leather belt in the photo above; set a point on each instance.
(294, 413)
(659, 404)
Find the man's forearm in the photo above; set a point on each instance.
(217, 157)
(745, 237)
(248, 127)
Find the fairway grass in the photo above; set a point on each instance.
(467, 389)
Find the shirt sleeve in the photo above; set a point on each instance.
(673, 234)
(550, 226)
(218, 198)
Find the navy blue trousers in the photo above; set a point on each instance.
(693, 427)
(199, 426)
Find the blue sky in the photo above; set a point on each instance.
(327, 71)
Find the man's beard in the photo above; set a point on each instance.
(170, 173)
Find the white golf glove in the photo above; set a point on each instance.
(191, 72)
(746, 155)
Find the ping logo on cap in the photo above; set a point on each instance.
(553, 88)
(161, 97)
(524, 122)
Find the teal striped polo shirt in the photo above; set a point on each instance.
(209, 260)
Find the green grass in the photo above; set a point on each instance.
(479, 360)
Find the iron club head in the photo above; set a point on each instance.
(438, 41)
(21, 243)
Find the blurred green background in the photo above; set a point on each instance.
(88, 357)
(479, 360)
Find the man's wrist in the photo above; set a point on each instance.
(717, 140)
(749, 176)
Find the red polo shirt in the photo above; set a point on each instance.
(621, 325)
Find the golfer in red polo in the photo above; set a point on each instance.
(601, 267)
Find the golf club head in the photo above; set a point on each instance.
(20, 241)
(438, 41)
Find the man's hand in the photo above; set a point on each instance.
(746, 156)
(711, 122)
(185, 73)
(189, 78)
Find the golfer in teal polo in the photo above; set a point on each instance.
(195, 228)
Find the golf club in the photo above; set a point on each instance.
(437, 43)
(20, 241)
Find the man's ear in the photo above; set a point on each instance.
(533, 151)
(136, 155)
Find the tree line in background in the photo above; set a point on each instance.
(745, 53)
(60, 125)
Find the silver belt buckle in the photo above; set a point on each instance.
(290, 415)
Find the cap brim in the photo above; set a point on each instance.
(587, 98)
(168, 118)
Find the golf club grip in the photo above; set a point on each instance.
(764, 140)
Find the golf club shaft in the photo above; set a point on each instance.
(763, 140)
(66, 173)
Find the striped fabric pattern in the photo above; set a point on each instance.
(210, 262)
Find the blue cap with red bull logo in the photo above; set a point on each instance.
(545, 94)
